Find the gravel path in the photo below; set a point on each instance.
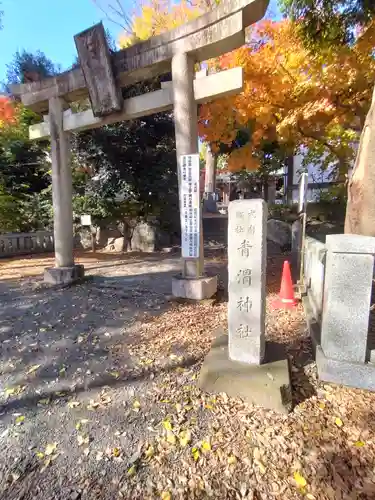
(99, 400)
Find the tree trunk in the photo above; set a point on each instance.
(360, 209)
(210, 182)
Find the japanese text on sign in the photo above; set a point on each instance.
(190, 205)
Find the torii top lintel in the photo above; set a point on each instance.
(214, 33)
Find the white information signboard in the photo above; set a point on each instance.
(190, 206)
(85, 220)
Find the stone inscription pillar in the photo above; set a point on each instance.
(247, 279)
(61, 186)
(186, 130)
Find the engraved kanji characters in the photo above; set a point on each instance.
(243, 331)
(245, 248)
(244, 304)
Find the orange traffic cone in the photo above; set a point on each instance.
(286, 298)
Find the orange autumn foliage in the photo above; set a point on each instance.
(8, 112)
(290, 94)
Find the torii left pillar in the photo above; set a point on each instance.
(65, 271)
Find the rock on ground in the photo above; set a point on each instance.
(279, 232)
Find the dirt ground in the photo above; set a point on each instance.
(99, 399)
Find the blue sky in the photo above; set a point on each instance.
(50, 25)
(47, 25)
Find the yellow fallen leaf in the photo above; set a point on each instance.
(232, 460)
(262, 467)
(322, 405)
(93, 405)
(309, 496)
(20, 419)
(206, 446)
(115, 374)
(167, 425)
(116, 452)
(136, 405)
(32, 369)
(132, 470)
(82, 439)
(359, 444)
(54, 456)
(185, 437)
(73, 404)
(40, 454)
(44, 401)
(166, 495)
(300, 480)
(339, 422)
(196, 454)
(149, 453)
(46, 464)
(178, 407)
(208, 407)
(11, 391)
(171, 438)
(50, 448)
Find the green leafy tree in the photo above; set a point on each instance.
(27, 66)
(329, 22)
(129, 167)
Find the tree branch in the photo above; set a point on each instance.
(109, 18)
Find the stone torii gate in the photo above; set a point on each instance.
(101, 76)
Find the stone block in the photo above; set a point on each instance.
(194, 288)
(144, 237)
(358, 375)
(314, 273)
(266, 385)
(346, 305)
(246, 279)
(350, 243)
(119, 244)
(64, 275)
(279, 232)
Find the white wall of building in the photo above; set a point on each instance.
(315, 176)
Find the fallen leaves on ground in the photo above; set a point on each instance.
(169, 440)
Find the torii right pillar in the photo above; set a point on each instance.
(192, 283)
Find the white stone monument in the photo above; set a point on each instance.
(247, 279)
(241, 362)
